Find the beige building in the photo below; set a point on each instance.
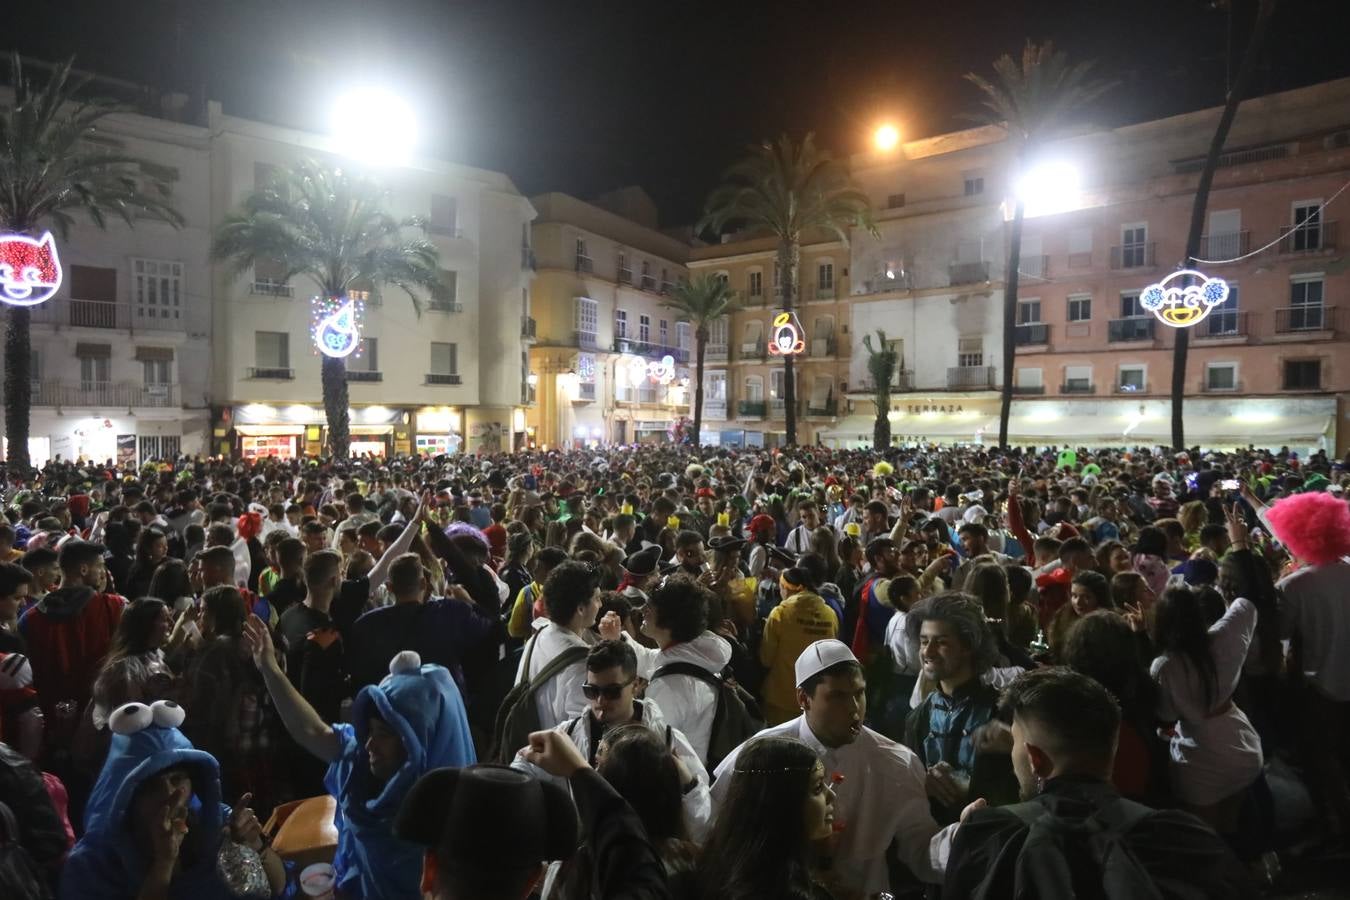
(608, 361)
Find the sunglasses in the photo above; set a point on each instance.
(608, 691)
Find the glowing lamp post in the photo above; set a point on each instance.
(886, 138)
(374, 126)
(1049, 187)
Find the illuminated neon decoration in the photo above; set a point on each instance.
(1184, 305)
(337, 326)
(662, 372)
(786, 337)
(30, 271)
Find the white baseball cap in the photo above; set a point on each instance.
(820, 656)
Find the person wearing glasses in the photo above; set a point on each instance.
(610, 689)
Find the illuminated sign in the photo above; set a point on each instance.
(657, 372)
(1181, 305)
(30, 271)
(662, 372)
(337, 330)
(786, 336)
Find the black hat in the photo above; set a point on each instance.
(719, 544)
(1150, 542)
(489, 814)
(644, 561)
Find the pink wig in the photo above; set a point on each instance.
(1314, 526)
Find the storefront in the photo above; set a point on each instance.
(128, 440)
(261, 430)
(438, 430)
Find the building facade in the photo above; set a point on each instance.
(609, 361)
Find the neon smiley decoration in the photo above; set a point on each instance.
(337, 331)
(786, 336)
(1182, 305)
(30, 270)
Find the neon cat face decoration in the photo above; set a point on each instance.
(1184, 305)
(337, 335)
(30, 271)
(786, 336)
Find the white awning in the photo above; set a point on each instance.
(1239, 430)
(269, 430)
(961, 428)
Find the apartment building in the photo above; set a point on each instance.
(609, 361)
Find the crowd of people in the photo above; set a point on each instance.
(664, 671)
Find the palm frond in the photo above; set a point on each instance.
(702, 300)
(1036, 94)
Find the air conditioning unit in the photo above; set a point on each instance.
(625, 346)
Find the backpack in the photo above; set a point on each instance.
(20, 877)
(518, 716)
(1064, 857)
(737, 718)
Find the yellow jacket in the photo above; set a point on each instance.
(522, 612)
(791, 627)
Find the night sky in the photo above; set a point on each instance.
(582, 96)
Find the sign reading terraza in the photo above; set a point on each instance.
(916, 408)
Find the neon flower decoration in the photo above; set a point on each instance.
(30, 271)
(662, 372)
(1184, 305)
(337, 329)
(786, 338)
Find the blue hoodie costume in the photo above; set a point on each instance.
(423, 705)
(106, 864)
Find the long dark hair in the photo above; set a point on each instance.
(1181, 630)
(143, 541)
(639, 766)
(759, 847)
(1244, 574)
(1101, 646)
(170, 581)
(132, 637)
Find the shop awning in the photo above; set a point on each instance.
(960, 428)
(269, 430)
(1237, 430)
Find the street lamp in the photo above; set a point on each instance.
(1049, 187)
(375, 126)
(886, 137)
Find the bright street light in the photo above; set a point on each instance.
(375, 126)
(1050, 187)
(886, 138)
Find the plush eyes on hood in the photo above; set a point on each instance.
(130, 718)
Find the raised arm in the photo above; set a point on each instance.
(399, 547)
(302, 723)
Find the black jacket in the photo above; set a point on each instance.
(626, 866)
(41, 831)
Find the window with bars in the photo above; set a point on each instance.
(159, 446)
(158, 290)
(970, 351)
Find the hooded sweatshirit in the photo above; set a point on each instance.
(68, 633)
(689, 703)
(424, 707)
(106, 863)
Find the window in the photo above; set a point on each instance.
(1133, 246)
(754, 389)
(974, 185)
(755, 284)
(1305, 300)
(1028, 312)
(1223, 319)
(1307, 225)
(646, 269)
(450, 278)
(96, 368)
(1302, 374)
(625, 271)
(644, 329)
(1077, 379)
(1030, 379)
(1080, 307)
(1305, 292)
(158, 290)
(1131, 379)
(970, 351)
(620, 324)
(1221, 377)
(272, 349)
(895, 201)
(160, 446)
(1130, 307)
(34, 365)
(684, 335)
(897, 346)
(717, 332)
(776, 383)
(444, 218)
(723, 277)
(94, 284)
(584, 316)
(717, 387)
(663, 333)
(369, 358)
(825, 276)
(444, 358)
(583, 261)
(157, 371)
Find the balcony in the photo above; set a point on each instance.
(625, 276)
(646, 393)
(968, 272)
(1122, 331)
(715, 353)
(667, 287)
(445, 306)
(586, 392)
(1225, 246)
(1222, 324)
(1023, 390)
(901, 381)
(268, 288)
(750, 409)
(1208, 388)
(442, 378)
(1128, 388)
(1034, 266)
(715, 409)
(970, 378)
(1032, 335)
(822, 348)
(650, 350)
(269, 373)
(364, 375)
(1308, 238)
(826, 410)
(584, 339)
(105, 394)
(754, 350)
(1304, 319)
(527, 328)
(648, 283)
(1078, 387)
(584, 264)
(821, 292)
(777, 407)
(1133, 256)
(63, 313)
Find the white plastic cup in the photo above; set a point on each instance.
(317, 881)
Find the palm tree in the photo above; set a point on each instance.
(1030, 98)
(1181, 348)
(701, 300)
(317, 220)
(881, 363)
(55, 163)
(787, 190)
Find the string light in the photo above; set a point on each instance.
(30, 270)
(1312, 221)
(337, 326)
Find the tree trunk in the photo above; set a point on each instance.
(700, 345)
(881, 428)
(334, 377)
(1010, 320)
(1181, 348)
(789, 258)
(18, 388)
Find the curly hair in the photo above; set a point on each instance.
(964, 613)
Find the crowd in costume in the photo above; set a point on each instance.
(661, 671)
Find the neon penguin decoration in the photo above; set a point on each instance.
(337, 329)
(1184, 305)
(30, 271)
(786, 338)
